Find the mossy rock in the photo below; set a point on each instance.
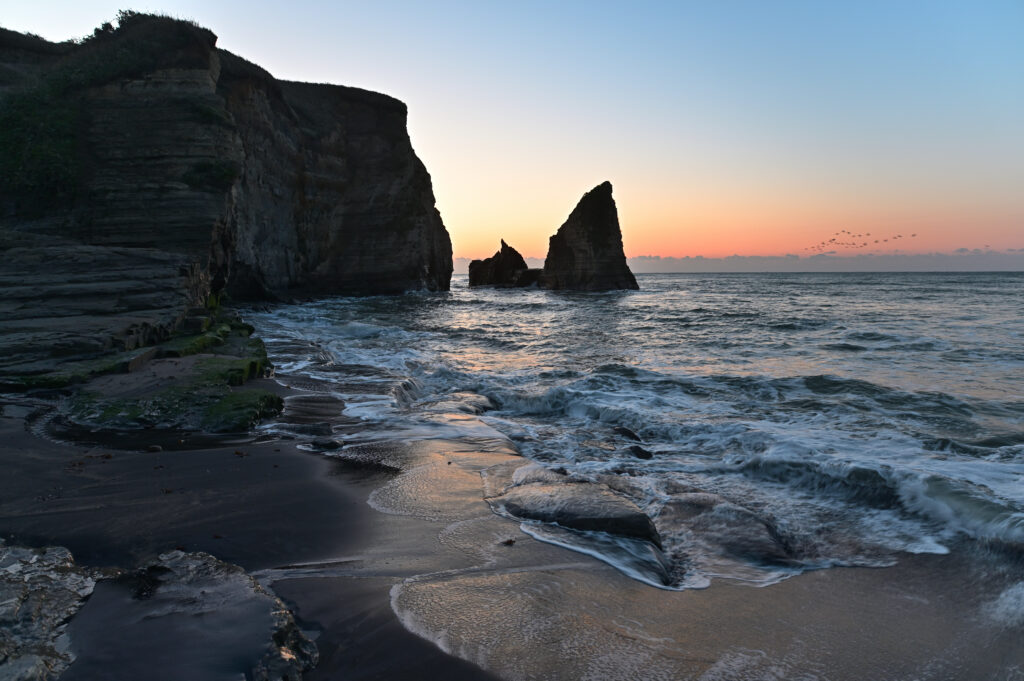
(67, 374)
(183, 346)
(240, 410)
(208, 395)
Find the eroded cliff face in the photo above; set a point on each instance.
(147, 139)
(336, 165)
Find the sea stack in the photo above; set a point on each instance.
(586, 252)
(506, 269)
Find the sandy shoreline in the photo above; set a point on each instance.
(257, 505)
(303, 524)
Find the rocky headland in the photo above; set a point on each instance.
(148, 181)
(146, 174)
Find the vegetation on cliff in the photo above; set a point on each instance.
(42, 158)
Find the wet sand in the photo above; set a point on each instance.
(257, 505)
(389, 572)
(535, 611)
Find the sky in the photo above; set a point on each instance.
(739, 127)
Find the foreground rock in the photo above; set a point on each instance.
(730, 529)
(175, 611)
(532, 492)
(40, 591)
(506, 269)
(579, 506)
(586, 253)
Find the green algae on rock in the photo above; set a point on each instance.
(199, 382)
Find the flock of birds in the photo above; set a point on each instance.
(847, 239)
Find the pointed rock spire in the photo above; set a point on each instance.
(586, 253)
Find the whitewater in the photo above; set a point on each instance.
(768, 424)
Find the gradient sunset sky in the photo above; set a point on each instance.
(735, 127)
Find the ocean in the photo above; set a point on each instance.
(768, 424)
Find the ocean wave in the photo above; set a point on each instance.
(965, 507)
(844, 347)
(850, 481)
(799, 324)
(849, 426)
(1008, 609)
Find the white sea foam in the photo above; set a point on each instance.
(855, 431)
(1008, 609)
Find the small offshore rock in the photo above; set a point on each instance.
(626, 432)
(327, 445)
(154, 448)
(506, 268)
(639, 452)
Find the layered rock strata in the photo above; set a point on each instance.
(154, 172)
(586, 253)
(506, 269)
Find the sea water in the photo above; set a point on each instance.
(842, 419)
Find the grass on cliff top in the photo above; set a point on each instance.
(41, 126)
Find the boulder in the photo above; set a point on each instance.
(736, 531)
(626, 432)
(640, 453)
(579, 506)
(586, 253)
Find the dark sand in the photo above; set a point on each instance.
(258, 505)
(307, 527)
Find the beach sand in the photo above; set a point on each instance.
(390, 571)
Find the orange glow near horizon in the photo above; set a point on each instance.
(762, 227)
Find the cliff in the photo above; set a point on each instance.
(586, 253)
(147, 144)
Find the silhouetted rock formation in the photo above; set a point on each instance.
(147, 147)
(506, 268)
(586, 253)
